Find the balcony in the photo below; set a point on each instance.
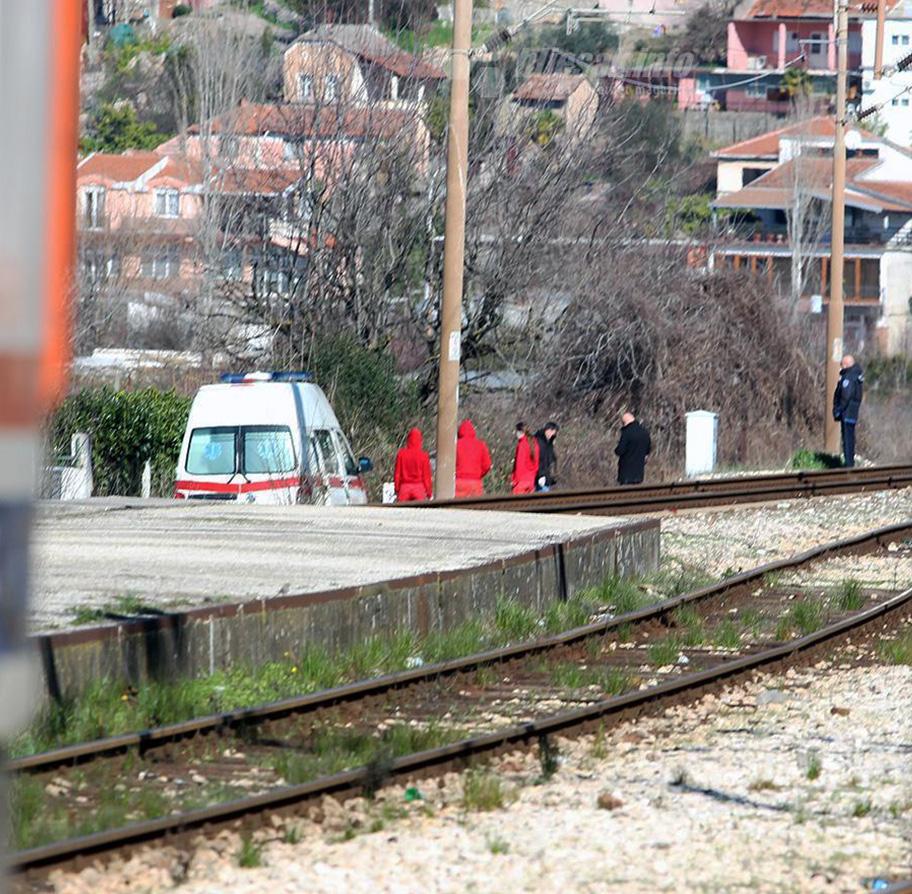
(741, 233)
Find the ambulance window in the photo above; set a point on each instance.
(268, 448)
(327, 452)
(212, 451)
(351, 464)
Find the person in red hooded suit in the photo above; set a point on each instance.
(473, 461)
(412, 478)
(525, 462)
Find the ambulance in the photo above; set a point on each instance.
(267, 437)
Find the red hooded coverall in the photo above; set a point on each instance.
(412, 478)
(473, 461)
(525, 465)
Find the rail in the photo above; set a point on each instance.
(700, 493)
(461, 752)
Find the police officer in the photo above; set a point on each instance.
(847, 404)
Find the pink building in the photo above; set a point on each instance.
(775, 34)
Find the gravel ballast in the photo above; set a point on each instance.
(722, 795)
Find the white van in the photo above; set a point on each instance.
(267, 438)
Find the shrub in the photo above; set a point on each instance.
(813, 460)
(362, 385)
(182, 9)
(127, 428)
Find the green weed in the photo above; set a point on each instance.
(727, 635)
(896, 651)
(250, 855)
(814, 767)
(751, 621)
(574, 612)
(692, 625)
(482, 790)
(850, 598)
(861, 808)
(513, 620)
(599, 746)
(664, 651)
(622, 595)
(804, 617)
(333, 749)
(498, 846)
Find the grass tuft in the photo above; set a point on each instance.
(727, 635)
(804, 617)
(692, 625)
(513, 620)
(250, 855)
(498, 846)
(482, 790)
(814, 767)
(896, 651)
(664, 651)
(861, 808)
(850, 598)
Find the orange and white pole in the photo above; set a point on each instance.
(39, 107)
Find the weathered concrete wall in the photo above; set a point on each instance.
(723, 128)
(203, 640)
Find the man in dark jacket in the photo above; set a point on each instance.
(632, 450)
(847, 404)
(547, 458)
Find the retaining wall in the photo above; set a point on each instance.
(202, 640)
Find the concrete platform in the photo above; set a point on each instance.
(219, 583)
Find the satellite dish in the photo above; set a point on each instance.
(852, 139)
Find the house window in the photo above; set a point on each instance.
(167, 202)
(233, 264)
(330, 88)
(97, 266)
(904, 40)
(93, 204)
(895, 40)
(161, 264)
(305, 88)
(904, 101)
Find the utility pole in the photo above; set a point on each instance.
(453, 253)
(879, 42)
(837, 236)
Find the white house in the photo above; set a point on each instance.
(897, 110)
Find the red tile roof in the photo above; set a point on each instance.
(262, 181)
(549, 87)
(767, 144)
(119, 168)
(816, 9)
(369, 44)
(189, 173)
(297, 120)
(775, 189)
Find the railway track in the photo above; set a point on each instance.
(700, 493)
(486, 714)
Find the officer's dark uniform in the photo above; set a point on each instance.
(846, 406)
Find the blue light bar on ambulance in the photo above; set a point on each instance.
(275, 376)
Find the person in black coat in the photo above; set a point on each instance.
(847, 404)
(632, 450)
(547, 458)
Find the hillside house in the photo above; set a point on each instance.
(355, 63)
(570, 96)
(768, 183)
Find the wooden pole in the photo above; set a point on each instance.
(837, 239)
(453, 253)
